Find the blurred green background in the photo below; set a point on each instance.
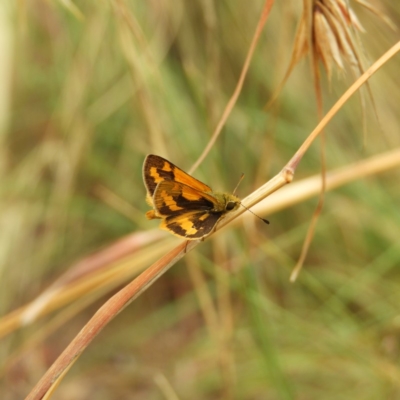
(88, 91)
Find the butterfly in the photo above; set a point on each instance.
(187, 207)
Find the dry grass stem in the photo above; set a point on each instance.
(301, 190)
(263, 19)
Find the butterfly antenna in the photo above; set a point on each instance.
(240, 180)
(262, 219)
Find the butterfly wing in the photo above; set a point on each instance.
(174, 198)
(186, 212)
(191, 225)
(185, 205)
(157, 169)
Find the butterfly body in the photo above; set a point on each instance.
(187, 207)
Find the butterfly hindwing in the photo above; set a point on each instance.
(192, 225)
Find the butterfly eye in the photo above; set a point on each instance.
(230, 205)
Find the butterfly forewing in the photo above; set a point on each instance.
(157, 169)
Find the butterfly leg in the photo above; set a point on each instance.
(187, 242)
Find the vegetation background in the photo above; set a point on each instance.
(88, 89)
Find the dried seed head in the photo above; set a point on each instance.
(328, 32)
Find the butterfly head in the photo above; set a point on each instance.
(226, 202)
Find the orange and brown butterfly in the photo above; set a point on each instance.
(187, 207)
